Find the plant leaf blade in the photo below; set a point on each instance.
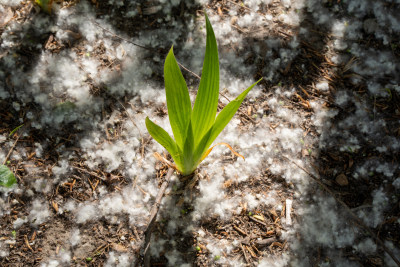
(162, 137)
(188, 160)
(206, 103)
(178, 100)
(221, 121)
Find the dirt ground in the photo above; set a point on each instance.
(253, 237)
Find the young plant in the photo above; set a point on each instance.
(194, 129)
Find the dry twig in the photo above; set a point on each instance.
(349, 211)
(145, 252)
(10, 151)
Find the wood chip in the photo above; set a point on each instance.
(341, 179)
(55, 206)
(259, 217)
(288, 210)
(265, 242)
(118, 247)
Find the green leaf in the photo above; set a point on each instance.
(222, 120)
(205, 106)
(162, 137)
(7, 178)
(178, 100)
(188, 161)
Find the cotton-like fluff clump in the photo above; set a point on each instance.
(288, 137)
(379, 205)
(75, 237)
(4, 251)
(273, 261)
(319, 13)
(131, 202)
(366, 246)
(218, 248)
(254, 4)
(322, 86)
(174, 258)
(67, 19)
(396, 183)
(10, 2)
(292, 18)
(118, 260)
(4, 207)
(39, 212)
(250, 19)
(63, 258)
(86, 212)
(388, 261)
(213, 200)
(62, 168)
(111, 154)
(251, 201)
(51, 263)
(322, 116)
(328, 230)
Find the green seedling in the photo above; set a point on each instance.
(7, 178)
(195, 128)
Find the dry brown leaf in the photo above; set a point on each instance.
(342, 180)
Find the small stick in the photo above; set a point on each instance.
(130, 117)
(239, 230)
(90, 173)
(141, 46)
(10, 151)
(153, 217)
(191, 72)
(244, 254)
(257, 221)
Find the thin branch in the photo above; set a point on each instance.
(350, 212)
(141, 46)
(122, 38)
(10, 151)
(130, 117)
(153, 216)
